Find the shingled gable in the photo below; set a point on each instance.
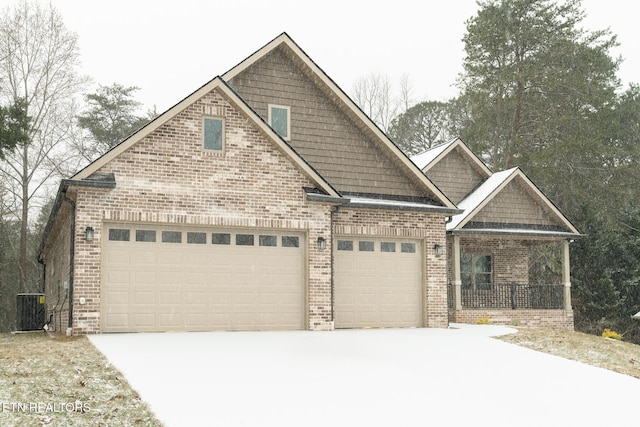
(428, 159)
(453, 168)
(216, 84)
(491, 190)
(402, 166)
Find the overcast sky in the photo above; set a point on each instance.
(169, 49)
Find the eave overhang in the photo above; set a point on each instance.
(102, 181)
(379, 203)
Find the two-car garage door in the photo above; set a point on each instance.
(165, 278)
(183, 279)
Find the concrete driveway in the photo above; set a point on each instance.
(388, 377)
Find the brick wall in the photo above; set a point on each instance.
(167, 178)
(57, 277)
(557, 319)
(510, 257)
(430, 228)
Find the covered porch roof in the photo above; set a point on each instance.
(488, 210)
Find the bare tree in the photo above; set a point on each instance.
(39, 60)
(406, 92)
(375, 95)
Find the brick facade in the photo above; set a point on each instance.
(57, 279)
(510, 257)
(167, 178)
(556, 319)
(164, 177)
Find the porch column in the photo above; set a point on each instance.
(457, 278)
(566, 275)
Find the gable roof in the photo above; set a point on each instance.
(346, 105)
(490, 188)
(220, 85)
(431, 157)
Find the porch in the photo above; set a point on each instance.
(494, 279)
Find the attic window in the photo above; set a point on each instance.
(213, 133)
(280, 120)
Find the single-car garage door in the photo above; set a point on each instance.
(378, 283)
(182, 279)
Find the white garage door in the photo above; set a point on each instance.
(182, 279)
(378, 283)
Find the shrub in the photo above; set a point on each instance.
(608, 333)
(483, 321)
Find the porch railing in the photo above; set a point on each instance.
(513, 296)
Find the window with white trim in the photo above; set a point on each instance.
(280, 120)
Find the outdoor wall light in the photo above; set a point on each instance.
(321, 243)
(438, 250)
(88, 234)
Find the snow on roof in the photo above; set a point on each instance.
(473, 200)
(359, 201)
(423, 159)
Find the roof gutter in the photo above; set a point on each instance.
(108, 183)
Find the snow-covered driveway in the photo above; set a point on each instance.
(385, 377)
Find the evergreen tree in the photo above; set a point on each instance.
(421, 127)
(534, 80)
(111, 116)
(14, 126)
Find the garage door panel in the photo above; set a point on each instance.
(144, 277)
(146, 255)
(168, 281)
(118, 277)
(194, 278)
(165, 321)
(117, 297)
(121, 257)
(118, 322)
(375, 288)
(157, 286)
(168, 260)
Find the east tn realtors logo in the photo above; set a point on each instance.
(41, 408)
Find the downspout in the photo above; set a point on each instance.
(43, 290)
(44, 273)
(72, 251)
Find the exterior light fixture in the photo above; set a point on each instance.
(321, 243)
(88, 234)
(438, 250)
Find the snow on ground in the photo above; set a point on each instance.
(383, 377)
